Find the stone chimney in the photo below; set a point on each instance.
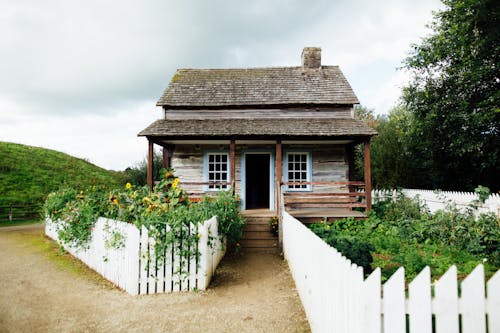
(311, 57)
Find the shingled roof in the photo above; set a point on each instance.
(243, 128)
(193, 88)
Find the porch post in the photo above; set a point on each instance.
(277, 190)
(150, 165)
(232, 165)
(351, 174)
(368, 176)
(166, 157)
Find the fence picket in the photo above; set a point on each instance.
(371, 303)
(493, 302)
(394, 303)
(192, 260)
(419, 302)
(446, 302)
(473, 302)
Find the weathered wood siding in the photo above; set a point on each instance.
(329, 163)
(341, 112)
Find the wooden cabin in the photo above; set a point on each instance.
(279, 137)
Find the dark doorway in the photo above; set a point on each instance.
(257, 180)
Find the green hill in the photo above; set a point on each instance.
(28, 174)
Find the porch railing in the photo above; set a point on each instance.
(197, 195)
(348, 195)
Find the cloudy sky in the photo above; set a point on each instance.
(83, 76)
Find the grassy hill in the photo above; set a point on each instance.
(28, 174)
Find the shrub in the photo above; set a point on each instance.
(168, 204)
(353, 248)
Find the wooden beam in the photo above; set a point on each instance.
(150, 165)
(232, 165)
(368, 176)
(166, 161)
(277, 191)
(351, 173)
(278, 171)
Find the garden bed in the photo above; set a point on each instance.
(402, 232)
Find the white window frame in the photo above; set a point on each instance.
(309, 163)
(207, 171)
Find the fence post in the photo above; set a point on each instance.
(10, 213)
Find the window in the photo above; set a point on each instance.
(217, 170)
(298, 170)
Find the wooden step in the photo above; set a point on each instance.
(258, 235)
(259, 243)
(256, 227)
(257, 220)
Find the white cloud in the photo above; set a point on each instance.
(83, 76)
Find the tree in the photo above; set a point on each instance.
(454, 97)
(391, 163)
(137, 174)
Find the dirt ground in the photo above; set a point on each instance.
(43, 290)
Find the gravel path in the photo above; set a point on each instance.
(42, 290)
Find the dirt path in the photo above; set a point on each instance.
(42, 290)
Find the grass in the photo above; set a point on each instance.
(36, 240)
(18, 223)
(28, 174)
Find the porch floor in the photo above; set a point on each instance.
(325, 213)
(258, 213)
(307, 212)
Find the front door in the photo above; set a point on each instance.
(257, 180)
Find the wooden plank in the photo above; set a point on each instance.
(327, 205)
(325, 194)
(320, 200)
(493, 302)
(394, 303)
(419, 302)
(368, 175)
(355, 183)
(473, 302)
(445, 305)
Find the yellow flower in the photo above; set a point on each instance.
(128, 186)
(115, 201)
(175, 183)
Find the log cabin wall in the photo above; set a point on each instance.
(338, 112)
(329, 163)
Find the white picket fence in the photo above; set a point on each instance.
(336, 298)
(132, 266)
(437, 200)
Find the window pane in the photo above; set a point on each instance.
(303, 166)
(224, 158)
(217, 167)
(303, 176)
(210, 158)
(290, 176)
(297, 176)
(223, 176)
(224, 167)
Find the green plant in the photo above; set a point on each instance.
(402, 233)
(165, 212)
(274, 225)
